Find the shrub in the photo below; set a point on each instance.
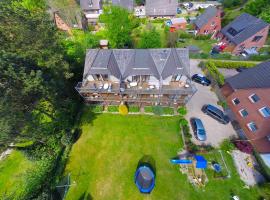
(148, 109)
(214, 73)
(232, 64)
(183, 34)
(244, 146)
(193, 148)
(123, 110)
(227, 145)
(157, 110)
(223, 104)
(186, 132)
(182, 111)
(96, 108)
(112, 108)
(134, 109)
(183, 122)
(168, 110)
(202, 37)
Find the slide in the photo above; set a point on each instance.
(177, 161)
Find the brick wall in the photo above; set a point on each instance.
(259, 141)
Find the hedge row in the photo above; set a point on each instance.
(134, 109)
(214, 73)
(96, 108)
(159, 110)
(113, 108)
(232, 64)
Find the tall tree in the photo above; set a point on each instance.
(150, 39)
(119, 24)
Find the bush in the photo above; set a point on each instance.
(202, 37)
(244, 146)
(168, 110)
(223, 104)
(183, 122)
(214, 73)
(227, 145)
(123, 110)
(186, 132)
(157, 110)
(158, 20)
(232, 64)
(182, 111)
(134, 109)
(148, 109)
(96, 108)
(112, 108)
(183, 34)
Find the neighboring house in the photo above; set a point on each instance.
(91, 9)
(139, 11)
(137, 76)
(177, 24)
(128, 4)
(245, 32)
(161, 8)
(209, 22)
(248, 96)
(200, 5)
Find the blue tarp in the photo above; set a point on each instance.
(201, 162)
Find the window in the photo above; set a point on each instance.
(236, 101)
(254, 98)
(256, 38)
(252, 126)
(265, 111)
(243, 112)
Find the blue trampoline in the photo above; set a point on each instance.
(145, 179)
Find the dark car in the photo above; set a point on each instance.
(201, 79)
(240, 69)
(198, 128)
(216, 113)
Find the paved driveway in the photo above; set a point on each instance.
(215, 131)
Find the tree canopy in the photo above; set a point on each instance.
(150, 39)
(119, 24)
(259, 8)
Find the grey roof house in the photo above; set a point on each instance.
(204, 18)
(137, 75)
(161, 8)
(245, 32)
(91, 9)
(128, 4)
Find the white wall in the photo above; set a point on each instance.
(113, 78)
(167, 80)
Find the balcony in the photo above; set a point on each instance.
(107, 87)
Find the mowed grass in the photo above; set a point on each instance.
(12, 171)
(103, 161)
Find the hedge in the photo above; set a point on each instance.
(134, 109)
(96, 108)
(113, 109)
(232, 64)
(168, 110)
(214, 73)
(148, 109)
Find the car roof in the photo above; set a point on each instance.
(200, 75)
(214, 109)
(199, 123)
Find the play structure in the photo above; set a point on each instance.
(145, 179)
(194, 167)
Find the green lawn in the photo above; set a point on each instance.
(12, 173)
(103, 161)
(204, 45)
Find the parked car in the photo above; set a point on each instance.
(198, 129)
(199, 78)
(216, 113)
(240, 69)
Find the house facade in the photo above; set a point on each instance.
(127, 4)
(161, 8)
(91, 9)
(208, 23)
(137, 76)
(245, 32)
(248, 96)
(178, 24)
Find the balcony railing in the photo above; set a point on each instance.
(174, 88)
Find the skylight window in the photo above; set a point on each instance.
(232, 31)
